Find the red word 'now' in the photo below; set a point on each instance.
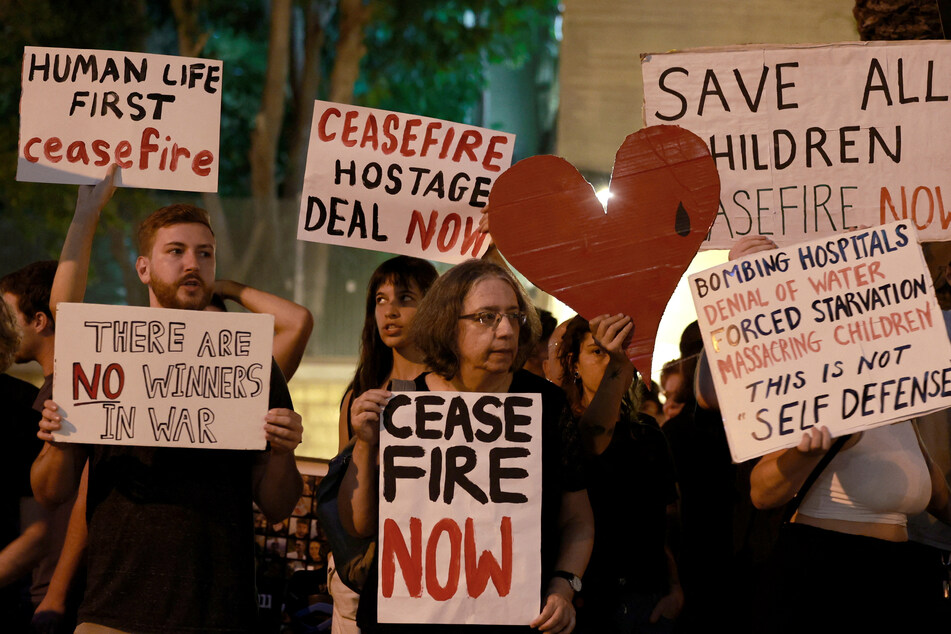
(479, 569)
(448, 235)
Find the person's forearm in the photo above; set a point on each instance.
(21, 555)
(577, 533)
(778, 476)
(357, 500)
(600, 417)
(71, 556)
(280, 486)
(69, 284)
(293, 323)
(55, 473)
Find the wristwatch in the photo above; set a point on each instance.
(573, 580)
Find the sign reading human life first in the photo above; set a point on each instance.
(158, 377)
(399, 183)
(156, 116)
(460, 508)
(843, 332)
(811, 140)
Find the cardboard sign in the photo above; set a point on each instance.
(156, 116)
(399, 183)
(158, 377)
(546, 221)
(811, 140)
(460, 508)
(843, 332)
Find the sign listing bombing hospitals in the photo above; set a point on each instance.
(399, 183)
(157, 377)
(842, 331)
(156, 116)
(810, 140)
(460, 508)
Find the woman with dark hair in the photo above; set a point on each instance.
(386, 352)
(631, 584)
(475, 328)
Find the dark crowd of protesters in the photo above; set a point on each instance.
(647, 525)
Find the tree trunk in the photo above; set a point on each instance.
(265, 137)
(354, 16)
(897, 19)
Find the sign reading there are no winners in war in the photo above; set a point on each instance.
(158, 377)
(843, 331)
(399, 183)
(460, 508)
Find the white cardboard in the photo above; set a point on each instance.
(206, 374)
(162, 127)
(845, 100)
(842, 331)
(406, 184)
(412, 499)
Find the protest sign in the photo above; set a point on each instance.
(399, 183)
(813, 139)
(156, 116)
(843, 332)
(158, 377)
(460, 508)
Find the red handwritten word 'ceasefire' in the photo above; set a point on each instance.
(478, 568)
(412, 140)
(80, 151)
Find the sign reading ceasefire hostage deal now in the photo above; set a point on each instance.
(460, 508)
(843, 332)
(399, 183)
(129, 375)
(813, 139)
(156, 116)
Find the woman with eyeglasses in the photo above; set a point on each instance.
(475, 328)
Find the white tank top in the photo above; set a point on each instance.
(881, 479)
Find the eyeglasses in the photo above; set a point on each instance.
(492, 319)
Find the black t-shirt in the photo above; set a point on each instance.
(171, 544)
(630, 486)
(562, 472)
(17, 452)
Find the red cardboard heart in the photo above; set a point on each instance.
(665, 192)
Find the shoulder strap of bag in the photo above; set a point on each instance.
(794, 503)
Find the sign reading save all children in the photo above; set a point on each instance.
(460, 508)
(842, 331)
(156, 116)
(811, 140)
(158, 377)
(399, 183)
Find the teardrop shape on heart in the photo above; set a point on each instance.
(682, 222)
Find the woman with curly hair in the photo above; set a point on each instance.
(631, 584)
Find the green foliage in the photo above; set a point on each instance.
(423, 56)
(429, 56)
